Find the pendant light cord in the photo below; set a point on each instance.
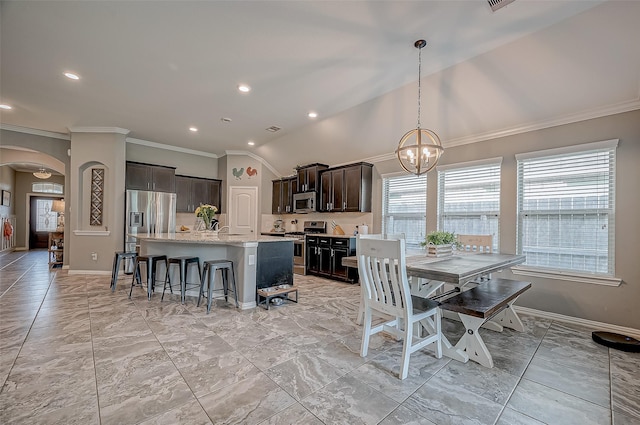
(419, 84)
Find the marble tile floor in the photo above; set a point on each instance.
(72, 352)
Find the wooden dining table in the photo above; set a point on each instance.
(460, 270)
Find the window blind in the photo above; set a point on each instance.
(404, 206)
(566, 214)
(469, 199)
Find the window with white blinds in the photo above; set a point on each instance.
(404, 206)
(566, 212)
(469, 198)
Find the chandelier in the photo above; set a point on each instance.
(42, 174)
(419, 149)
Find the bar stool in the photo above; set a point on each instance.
(183, 263)
(152, 267)
(117, 258)
(210, 267)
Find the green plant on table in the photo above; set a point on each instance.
(440, 238)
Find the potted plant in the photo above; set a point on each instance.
(440, 243)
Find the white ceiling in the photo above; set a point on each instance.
(157, 68)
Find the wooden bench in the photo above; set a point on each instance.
(491, 300)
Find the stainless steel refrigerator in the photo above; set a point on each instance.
(147, 213)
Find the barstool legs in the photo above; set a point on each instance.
(211, 267)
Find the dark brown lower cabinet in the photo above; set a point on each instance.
(325, 254)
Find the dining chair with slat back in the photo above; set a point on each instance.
(475, 243)
(371, 236)
(382, 267)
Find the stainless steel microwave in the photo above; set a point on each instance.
(304, 202)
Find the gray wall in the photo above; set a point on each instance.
(186, 164)
(615, 305)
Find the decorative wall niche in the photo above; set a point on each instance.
(97, 196)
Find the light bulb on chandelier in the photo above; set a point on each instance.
(419, 149)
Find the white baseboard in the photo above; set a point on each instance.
(596, 326)
(98, 272)
(247, 306)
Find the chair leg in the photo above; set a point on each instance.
(225, 283)
(212, 277)
(151, 277)
(114, 273)
(136, 275)
(361, 308)
(203, 277)
(235, 287)
(406, 350)
(366, 333)
(183, 281)
(438, 320)
(164, 287)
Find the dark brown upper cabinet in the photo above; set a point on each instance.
(156, 178)
(308, 177)
(282, 195)
(346, 189)
(193, 191)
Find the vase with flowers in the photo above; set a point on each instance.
(205, 217)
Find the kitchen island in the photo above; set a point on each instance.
(243, 250)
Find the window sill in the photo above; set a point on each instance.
(566, 275)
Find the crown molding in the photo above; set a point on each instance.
(35, 132)
(618, 108)
(169, 147)
(257, 158)
(117, 130)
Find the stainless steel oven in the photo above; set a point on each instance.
(299, 247)
(299, 256)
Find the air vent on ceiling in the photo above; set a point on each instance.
(273, 128)
(498, 4)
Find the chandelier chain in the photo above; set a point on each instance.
(419, 84)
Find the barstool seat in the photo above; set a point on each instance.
(183, 263)
(117, 258)
(211, 267)
(152, 268)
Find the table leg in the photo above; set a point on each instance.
(423, 287)
(509, 319)
(472, 343)
(447, 348)
(492, 325)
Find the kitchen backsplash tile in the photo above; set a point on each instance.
(348, 221)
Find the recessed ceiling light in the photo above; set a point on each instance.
(251, 143)
(312, 114)
(3, 106)
(244, 88)
(71, 76)
(194, 129)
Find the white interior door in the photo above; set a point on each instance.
(243, 210)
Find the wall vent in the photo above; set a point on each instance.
(273, 128)
(498, 4)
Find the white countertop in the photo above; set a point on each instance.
(331, 235)
(212, 239)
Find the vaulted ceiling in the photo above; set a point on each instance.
(158, 68)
